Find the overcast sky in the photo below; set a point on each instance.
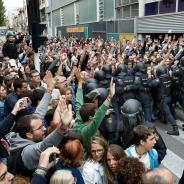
(13, 4)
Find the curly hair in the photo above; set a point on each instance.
(130, 170)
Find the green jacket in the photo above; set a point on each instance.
(87, 130)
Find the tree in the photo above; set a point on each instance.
(2, 13)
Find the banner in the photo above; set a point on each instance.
(75, 30)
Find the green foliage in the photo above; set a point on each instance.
(2, 13)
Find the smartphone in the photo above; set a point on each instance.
(52, 158)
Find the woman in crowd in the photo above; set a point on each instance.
(71, 155)
(114, 154)
(93, 168)
(70, 97)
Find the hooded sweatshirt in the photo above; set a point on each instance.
(31, 150)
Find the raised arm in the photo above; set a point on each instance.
(41, 109)
(92, 127)
(7, 123)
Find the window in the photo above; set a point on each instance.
(119, 13)
(124, 2)
(126, 11)
(134, 10)
(133, 1)
(180, 5)
(151, 9)
(167, 6)
(49, 18)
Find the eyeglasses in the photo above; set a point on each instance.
(98, 151)
(36, 75)
(39, 128)
(64, 81)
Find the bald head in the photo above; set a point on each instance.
(158, 176)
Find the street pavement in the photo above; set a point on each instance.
(174, 160)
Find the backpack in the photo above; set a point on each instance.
(16, 166)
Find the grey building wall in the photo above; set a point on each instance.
(55, 4)
(126, 26)
(87, 16)
(109, 9)
(69, 14)
(56, 21)
(87, 11)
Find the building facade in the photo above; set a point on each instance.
(161, 16)
(114, 18)
(19, 23)
(42, 4)
(91, 18)
(17, 19)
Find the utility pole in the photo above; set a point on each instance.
(35, 29)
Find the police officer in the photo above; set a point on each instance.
(181, 82)
(108, 74)
(132, 115)
(164, 96)
(125, 84)
(144, 83)
(175, 74)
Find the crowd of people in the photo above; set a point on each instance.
(87, 115)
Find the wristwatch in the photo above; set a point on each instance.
(40, 172)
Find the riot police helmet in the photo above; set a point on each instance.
(99, 93)
(90, 86)
(131, 107)
(160, 71)
(107, 69)
(91, 80)
(132, 114)
(99, 75)
(140, 67)
(121, 68)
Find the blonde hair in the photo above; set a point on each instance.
(62, 176)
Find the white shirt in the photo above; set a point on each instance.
(144, 158)
(93, 172)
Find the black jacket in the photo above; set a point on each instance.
(38, 179)
(5, 126)
(10, 49)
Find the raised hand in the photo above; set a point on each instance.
(21, 104)
(112, 88)
(48, 79)
(80, 78)
(65, 111)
